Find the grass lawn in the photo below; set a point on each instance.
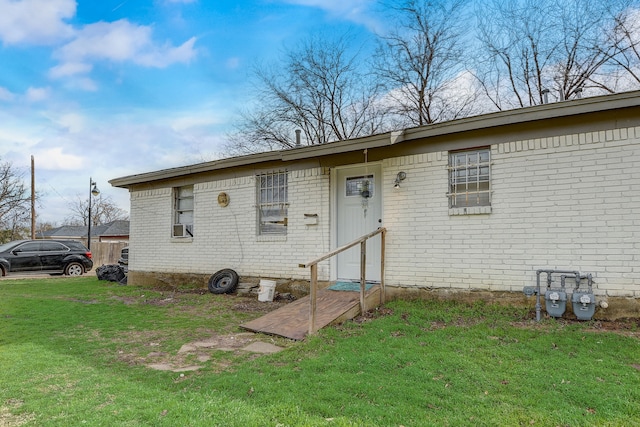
(78, 351)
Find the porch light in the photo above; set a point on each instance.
(399, 178)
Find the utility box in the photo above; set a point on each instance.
(555, 301)
(584, 304)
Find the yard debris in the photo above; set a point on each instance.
(252, 289)
(112, 273)
(284, 296)
(247, 288)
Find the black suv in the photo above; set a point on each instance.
(48, 256)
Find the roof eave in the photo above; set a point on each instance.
(490, 120)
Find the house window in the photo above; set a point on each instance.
(273, 203)
(359, 185)
(183, 211)
(470, 178)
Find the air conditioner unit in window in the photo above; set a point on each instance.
(179, 230)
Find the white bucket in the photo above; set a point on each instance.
(267, 290)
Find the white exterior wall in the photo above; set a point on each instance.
(570, 203)
(226, 237)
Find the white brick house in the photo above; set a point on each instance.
(485, 202)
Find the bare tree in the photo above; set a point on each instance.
(318, 88)
(14, 201)
(533, 49)
(623, 72)
(103, 211)
(421, 62)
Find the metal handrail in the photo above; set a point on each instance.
(313, 265)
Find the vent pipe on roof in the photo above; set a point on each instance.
(298, 131)
(545, 96)
(579, 93)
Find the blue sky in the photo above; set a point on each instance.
(110, 88)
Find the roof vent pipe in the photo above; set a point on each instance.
(545, 96)
(298, 131)
(579, 93)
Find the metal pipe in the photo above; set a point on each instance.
(574, 273)
(538, 305)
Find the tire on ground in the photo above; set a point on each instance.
(223, 281)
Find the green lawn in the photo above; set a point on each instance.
(74, 351)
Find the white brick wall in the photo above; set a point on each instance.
(569, 202)
(225, 237)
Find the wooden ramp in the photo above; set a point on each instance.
(292, 320)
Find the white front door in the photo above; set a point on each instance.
(359, 212)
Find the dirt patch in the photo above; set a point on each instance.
(194, 355)
(249, 305)
(217, 349)
(626, 327)
(373, 314)
(126, 300)
(630, 328)
(222, 342)
(8, 419)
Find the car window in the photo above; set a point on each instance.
(7, 246)
(76, 246)
(28, 247)
(53, 246)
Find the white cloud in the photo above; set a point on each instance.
(35, 21)
(35, 94)
(69, 69)
(233, 63)
(74, 122)
(84, 83)
(14, 137)
(57, 159)
(119, 41)
(187, 122)
(5, 95)
(167, 55)
(352, 10)
(70, 144)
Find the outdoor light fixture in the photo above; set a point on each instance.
(93, 191)
(399, 178)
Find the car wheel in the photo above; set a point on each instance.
(223, 282)
(74, 269)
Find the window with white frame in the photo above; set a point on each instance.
(273, 203)
(183, 211)
(470, 178)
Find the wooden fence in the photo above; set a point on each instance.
(106, 252)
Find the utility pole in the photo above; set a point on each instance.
(33, 199)
(92, 191)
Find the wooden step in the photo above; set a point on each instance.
(292, 320)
